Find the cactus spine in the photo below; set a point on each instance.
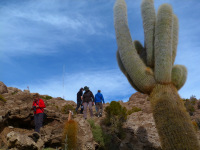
(175, 37)
(150, 70)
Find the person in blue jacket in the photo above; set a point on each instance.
(98, 102)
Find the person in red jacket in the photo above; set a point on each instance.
(38, 107)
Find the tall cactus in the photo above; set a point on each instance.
(151, 70)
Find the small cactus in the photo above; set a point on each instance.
(70, 134)
(150, 69)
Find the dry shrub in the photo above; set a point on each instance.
(189, 106)
(67, 108)
(195, 125)
(134, 109)
(2, 99)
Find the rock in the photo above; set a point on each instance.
(35, 136)
(26, 91)
(86, 143)
(18, 102)
(13, 90)
(141, 129)
(141, 101)
(1, 119)
(52, 134)
(24, 142)
(3, 88)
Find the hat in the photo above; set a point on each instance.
(86, 88)
(36, 95)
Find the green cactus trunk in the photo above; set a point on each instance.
(173, 123)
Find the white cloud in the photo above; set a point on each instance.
(112, 83)
(77, 22)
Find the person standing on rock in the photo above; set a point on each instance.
(79, 100)
(88, 99)
(38, 107)
(98, 102)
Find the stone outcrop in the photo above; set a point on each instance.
(139, 100)
(3, 88)
(85, 136)
(140, 126)
(144, 134)
(23, 142)
(16, 120)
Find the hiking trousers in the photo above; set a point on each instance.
(85, 104)
(79, 103)
(99, 107)
(38, 119)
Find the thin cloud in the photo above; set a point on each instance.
(37, 29)
(112, 83)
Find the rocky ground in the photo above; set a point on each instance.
(17, 126)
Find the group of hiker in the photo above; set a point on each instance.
(87, 99)
(83, 100)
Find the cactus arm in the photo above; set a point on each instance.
(163, 44)
(179, 76)
(140, 50)
(134, 66)
(175, 37)
(149, 18)
(121, 66)
(173, 123)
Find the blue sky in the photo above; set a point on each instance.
(38, 38)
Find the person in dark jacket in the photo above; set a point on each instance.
(98, 102)
(79, 100)
(88, 99)
(38, 107)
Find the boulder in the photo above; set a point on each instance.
(85, 136)
(23, 142)
(13, 90)
(141, 101)
(3, 88)
(141, 131)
